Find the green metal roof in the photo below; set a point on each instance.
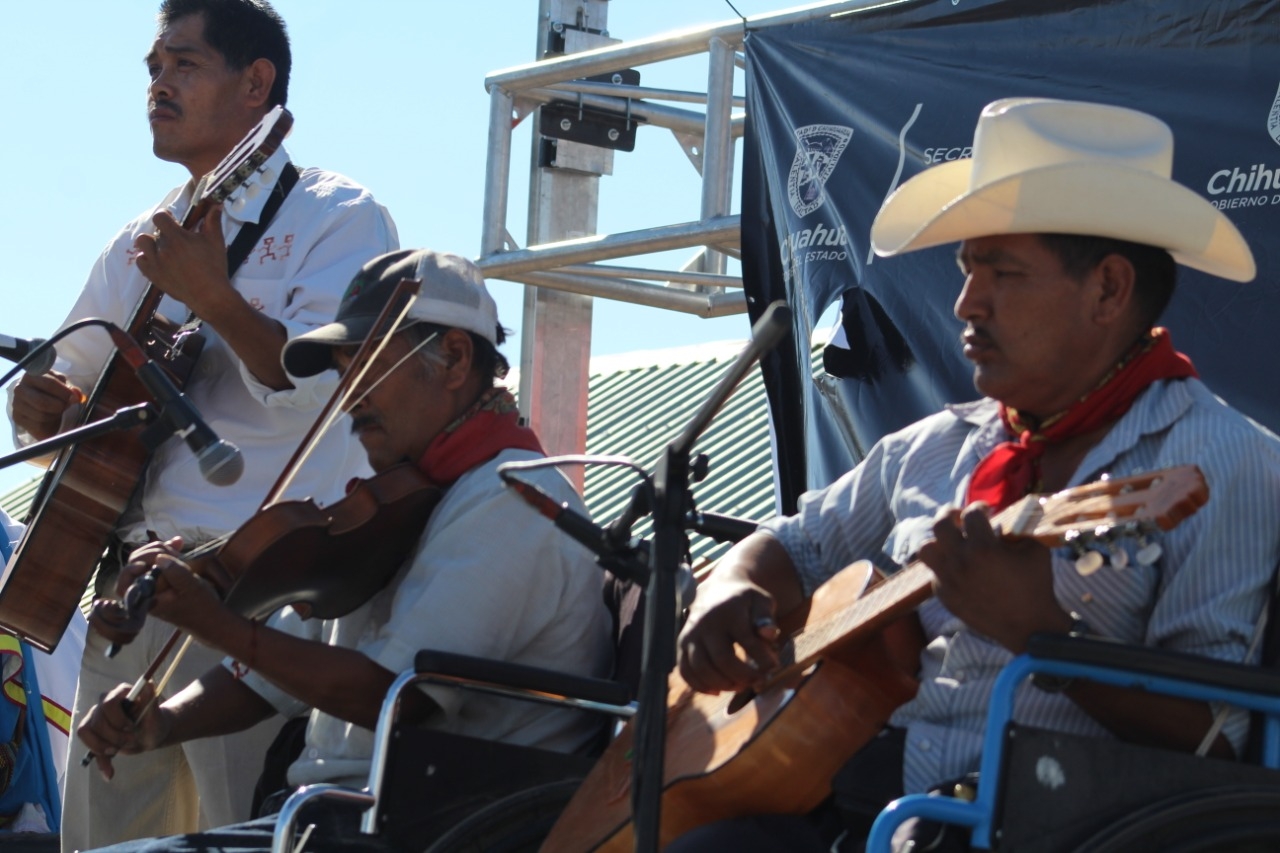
(17, 501)
(636, 410)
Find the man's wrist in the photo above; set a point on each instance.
(1059, 683)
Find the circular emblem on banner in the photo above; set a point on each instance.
(1273, 118)
(818, 149)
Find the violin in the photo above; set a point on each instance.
(327, 561)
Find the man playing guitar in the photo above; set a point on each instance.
(217, 67)
(1069, 228)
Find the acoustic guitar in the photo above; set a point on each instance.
(88, 487)
(848, 661)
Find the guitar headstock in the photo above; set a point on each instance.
(241, 163)
(1159, 499)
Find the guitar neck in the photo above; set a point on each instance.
(853, 604)
(879, 604)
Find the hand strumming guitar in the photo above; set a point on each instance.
(45, 404)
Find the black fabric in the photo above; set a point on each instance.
(282, 752)
(625, 601)
(869, 781)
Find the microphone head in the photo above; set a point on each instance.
(221, 463)
(43, 362)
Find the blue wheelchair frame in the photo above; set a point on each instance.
(1168, 673)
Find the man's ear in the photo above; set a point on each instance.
(259, 77)
(1115, 278)
(459, 351)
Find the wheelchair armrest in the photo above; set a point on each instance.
(522, 677)
(1158, 662)
(282, 838)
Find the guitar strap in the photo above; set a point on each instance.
(249, 235)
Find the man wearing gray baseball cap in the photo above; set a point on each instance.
(489, 576)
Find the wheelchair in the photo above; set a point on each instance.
(1054, 793)
(447, 793)
(482, 795)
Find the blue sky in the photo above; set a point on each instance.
(389, 92)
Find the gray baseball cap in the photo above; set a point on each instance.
(453, 294)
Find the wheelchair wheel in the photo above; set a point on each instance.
(1222, 820)
(514, 824)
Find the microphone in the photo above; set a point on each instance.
(220, 461)
(16, 349)
(577, 525)
(723, 528)
(583, 530)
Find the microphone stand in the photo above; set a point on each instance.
(672, 505)
(126, 418)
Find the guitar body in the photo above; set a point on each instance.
(776, 754)
(89, 486)
(81, 502)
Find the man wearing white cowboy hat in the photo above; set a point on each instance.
(1069, 228)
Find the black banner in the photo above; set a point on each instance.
(843, 111)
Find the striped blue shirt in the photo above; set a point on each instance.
(1204, 596)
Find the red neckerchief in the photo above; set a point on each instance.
(1011, 469)
(490, 426)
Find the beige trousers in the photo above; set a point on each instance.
(178, 789)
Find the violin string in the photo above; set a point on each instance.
(341, 409)
(390, 370)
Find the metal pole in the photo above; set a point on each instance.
(717, 144)
(497, 175)
(665, 46)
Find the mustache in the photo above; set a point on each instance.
(977, 335)
(359, 422)
(166, 105)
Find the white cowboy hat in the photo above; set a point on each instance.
(1042, 166)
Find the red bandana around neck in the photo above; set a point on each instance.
(1011, 469)
(490, 426)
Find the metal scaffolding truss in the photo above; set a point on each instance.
(700, 286)
(587, 102)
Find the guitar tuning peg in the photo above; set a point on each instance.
(1088, 563)
(1119, 557)
(268, 175)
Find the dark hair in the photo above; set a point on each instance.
(243, 31)
(485, 360)
(1155, 272)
